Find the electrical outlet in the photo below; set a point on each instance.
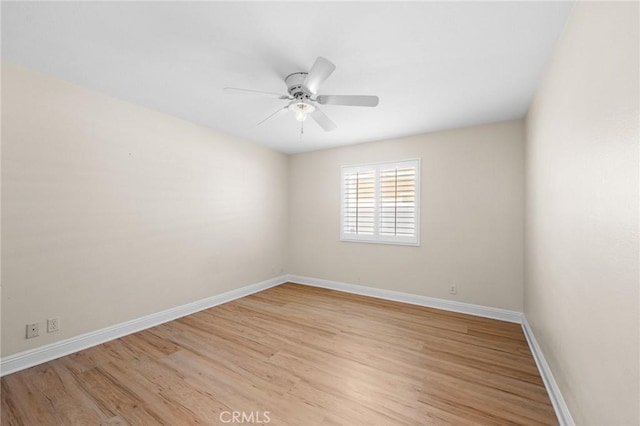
(33, 330)
(453, 289)
(53, 324)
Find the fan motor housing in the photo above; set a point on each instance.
(294, 85)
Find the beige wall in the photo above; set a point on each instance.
(581, 291)
(471, 218)
(112, 211)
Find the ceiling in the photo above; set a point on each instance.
(434, 65)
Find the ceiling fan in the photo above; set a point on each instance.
(304, 99)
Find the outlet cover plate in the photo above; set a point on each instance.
(33, 330)
(53, 324)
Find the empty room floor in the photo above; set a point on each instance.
(293, 355)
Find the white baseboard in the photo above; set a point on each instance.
(414, 299)
(29, 358)
(560, 407)
(32, 357)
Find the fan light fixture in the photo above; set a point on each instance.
(302, 88)
(301, 109)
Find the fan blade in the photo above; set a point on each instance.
(259, 92)
(348, 100)
(274, 114)
(320, 71)
(324, 121)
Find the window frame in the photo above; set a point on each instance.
(376, 238)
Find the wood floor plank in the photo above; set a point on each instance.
(72, 401)
(305, 356)
(116, 399)
(10, 413)
(172, 386)
(32, 406)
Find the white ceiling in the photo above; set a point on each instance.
(434, 65)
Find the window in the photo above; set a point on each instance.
(381, 203)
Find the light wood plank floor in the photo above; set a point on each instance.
(306, 356)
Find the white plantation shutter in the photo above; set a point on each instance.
(398, 201)
(380, 203)
(360, 203)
